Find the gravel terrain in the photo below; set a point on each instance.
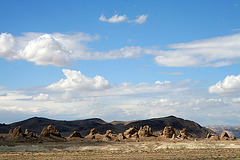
(124, 150)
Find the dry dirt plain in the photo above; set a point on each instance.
(124, 150)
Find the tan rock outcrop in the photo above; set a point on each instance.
(233, 137)
(212, 136)
(32, 135)
(26, 131)
(208, 135)
(130, 132)
(111, 134)
(16, 132)
(183, 134)
(160, 134)
(93, 131)
(50, 131)
(145, 131)
(135, 135)
(120, 136)
(93, 134)
(168, 132)
(224, 136)
(75, 134)
(174, 136)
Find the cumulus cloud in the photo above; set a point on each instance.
(78, 96)
(6, 44)
(214, 52)
(61, 49)
(123, 18)
(140, 19)
(77, 83)
(141, 88)
(159, 103)
(165, 82)
(114, 19)
(58, 49)
(231, 84)
(45, 50)
(75, 80)
(41, 97)
(236, 100)
(158, 107)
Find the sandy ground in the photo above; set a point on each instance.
(124, 150)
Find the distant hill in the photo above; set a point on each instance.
(36, 125)
(231, 130)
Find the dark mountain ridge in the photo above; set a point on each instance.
(36, 125)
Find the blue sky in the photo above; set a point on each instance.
(120, 60)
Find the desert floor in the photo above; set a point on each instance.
(124, 150)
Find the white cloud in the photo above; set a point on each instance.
(77, 83)
(214, 52)
(123, 18)
(61, 49)
(98, 86)
(236, 100)
(41, 97)
(6, 43)
(19, 109)
(58, 49)
(102, 18)
(126, 52)
(75, 80)
(159, 103)
(148, 108)
(53, 49)
(165, 82)
(114, 19)
(78, 96)
(140, 19)
(141, 88)
(214, 100)
(45, 50)
(231, 84)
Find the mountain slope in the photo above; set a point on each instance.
(36, 125)
(157, 124)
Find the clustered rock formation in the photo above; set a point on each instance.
(224, 136)
(110, 135)
(131, 132)
(17, 132)
(145, 131)
(183, 134)
(75, 134)
(50, 133)
(134, 132)
(17, 135)
(92, 134)
(169, 132)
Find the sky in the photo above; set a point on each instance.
(120, 60)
